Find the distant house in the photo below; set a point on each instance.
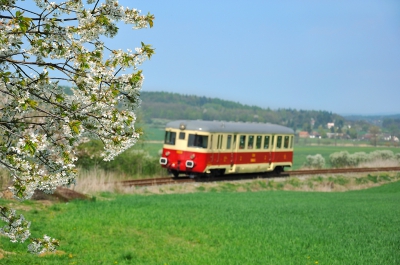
(335, 135)
(330, 125)
(304, 134)
(315, 135)
(386, 137)
(366, 136)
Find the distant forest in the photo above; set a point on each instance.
(173, 106)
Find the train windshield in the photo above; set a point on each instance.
(197, 141)
(170, 138)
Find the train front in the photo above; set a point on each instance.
(184, 150)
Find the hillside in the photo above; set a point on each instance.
(165, 105)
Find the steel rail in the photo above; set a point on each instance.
(341, 170)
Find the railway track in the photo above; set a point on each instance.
(155, 181)
(342, 170)
(170, 180)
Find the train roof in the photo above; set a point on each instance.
(226, 126)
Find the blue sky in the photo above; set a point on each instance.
(341, 56)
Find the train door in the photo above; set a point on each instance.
(218, 149)
(267, 149)
(231, 148)
(272, 150)
(211, 160)
(215, 146)
(278, 153)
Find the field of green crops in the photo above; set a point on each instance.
(269, 227)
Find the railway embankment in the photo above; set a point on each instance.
(328, 180)
(307, 181)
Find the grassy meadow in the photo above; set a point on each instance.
(224, 227)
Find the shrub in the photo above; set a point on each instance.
(341, 180)
(295, 182)
(316, 161)
(131, 162)
(372, 178)
(344, 159)
(359, 157)
(362, 180)
(381, 155)
(339, 159)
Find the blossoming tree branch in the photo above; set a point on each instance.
(40, 124)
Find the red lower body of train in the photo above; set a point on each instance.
(197, 163)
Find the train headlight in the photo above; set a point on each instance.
(192, 156)
(189, 164)
(167, 153)
(163, 161)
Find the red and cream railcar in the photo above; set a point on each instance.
(195, 147)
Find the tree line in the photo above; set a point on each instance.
(172, 106)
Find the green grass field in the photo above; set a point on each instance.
(270, 227)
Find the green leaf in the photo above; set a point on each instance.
(74, 125)
(115, 92)
(32, 103)
(59, 98)
(30, 147)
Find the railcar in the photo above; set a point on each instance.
(196, 148)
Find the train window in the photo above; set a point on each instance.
(219, 142)
(197, 141)
(279, 142)
(258, 141)
(182, 136)
(250, 142)
(286, 142)
(228, 142)
(242, 141)
(170, 137)
(266, 142)
(272, 141)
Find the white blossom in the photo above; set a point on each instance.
(40, 124)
